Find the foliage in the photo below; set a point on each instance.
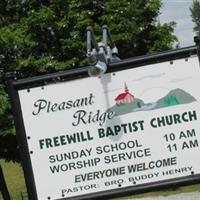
(135, 29)
(8, 142)
(195, 14)
(44, 36)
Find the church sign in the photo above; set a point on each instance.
(127, 130)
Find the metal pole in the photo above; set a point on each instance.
(105, 35)
(89, 44)
(94, 42)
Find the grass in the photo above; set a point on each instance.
(15, 182)
(167, 192)
(14, 179)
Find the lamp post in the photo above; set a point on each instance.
(100, 54)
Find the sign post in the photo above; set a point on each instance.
(131, 130)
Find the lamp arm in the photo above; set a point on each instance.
(91, 41)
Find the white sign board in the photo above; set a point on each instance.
(124, 129)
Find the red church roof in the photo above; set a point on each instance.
(122, 96)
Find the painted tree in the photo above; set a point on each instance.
(195, 14)
(44, 36)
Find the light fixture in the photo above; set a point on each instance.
(100, 54)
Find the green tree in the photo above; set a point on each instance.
(44, 36)
(135, 28)
(195, 14)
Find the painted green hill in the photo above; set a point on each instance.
(175, 97)
(122, 109)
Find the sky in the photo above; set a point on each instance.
(179, 11)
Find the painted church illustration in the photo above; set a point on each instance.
(124, 98)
